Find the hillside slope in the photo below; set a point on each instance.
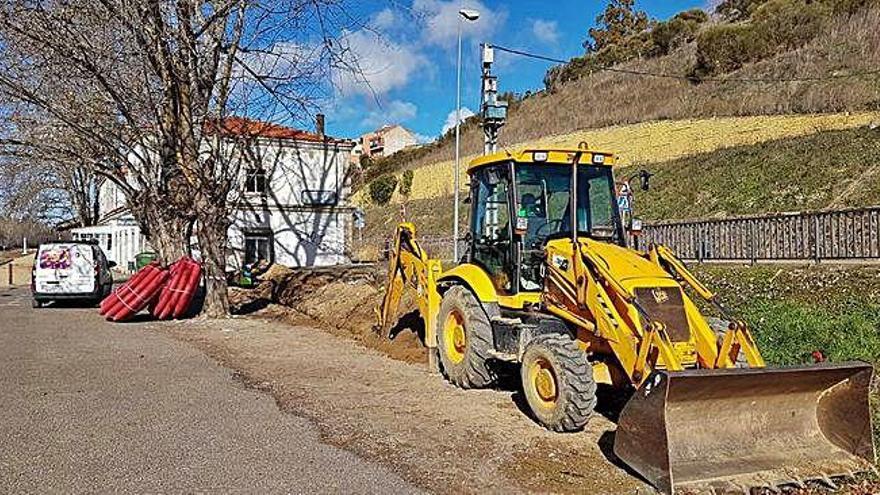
(847, 45)
(824, 170)
(815, 170)
(654, 142)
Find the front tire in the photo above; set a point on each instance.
(557, 381)
(464, 339)
(36, 304)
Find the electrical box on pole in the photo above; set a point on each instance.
(492, 111)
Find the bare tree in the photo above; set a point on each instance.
(51, 183)
(146, 85)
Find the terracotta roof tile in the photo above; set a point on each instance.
(240, 126)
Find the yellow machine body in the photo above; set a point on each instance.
(704, 412)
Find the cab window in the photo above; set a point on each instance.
(490, 224)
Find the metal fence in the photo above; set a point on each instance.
(837, 235)
(833, 235)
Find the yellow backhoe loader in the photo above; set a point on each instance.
(548, 282)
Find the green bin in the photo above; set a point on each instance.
(143, 259)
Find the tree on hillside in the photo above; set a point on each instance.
(619, 21)
(145, 86)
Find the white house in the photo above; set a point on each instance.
(386, 141)
(291, 209)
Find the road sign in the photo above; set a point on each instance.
(360, 218)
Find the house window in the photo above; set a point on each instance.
(255, 180)
(257, 247)
(319, 197)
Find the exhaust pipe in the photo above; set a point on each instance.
(742, 428)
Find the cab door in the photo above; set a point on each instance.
(491, 229)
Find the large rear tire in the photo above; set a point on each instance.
(464, 339)
(557, 381)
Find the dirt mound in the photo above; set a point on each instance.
(341, 300)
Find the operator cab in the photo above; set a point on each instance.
(521, 200)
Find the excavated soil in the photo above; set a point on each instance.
(342, 301)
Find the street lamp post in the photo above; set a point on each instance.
(465, 15)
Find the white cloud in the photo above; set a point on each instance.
(546, 31)
(450, 119)
(375, 65)
(394, 112)
(385, 19)
(441, 20)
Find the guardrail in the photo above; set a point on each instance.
(833, 235)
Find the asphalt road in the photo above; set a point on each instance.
(90, 406)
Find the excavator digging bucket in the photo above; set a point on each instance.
(711, 431)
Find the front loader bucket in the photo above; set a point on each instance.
(735, 429)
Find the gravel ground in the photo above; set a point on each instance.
(90, 406)
(439, 437)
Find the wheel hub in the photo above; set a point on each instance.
(544, 381)
(458, 339)
(455, 337)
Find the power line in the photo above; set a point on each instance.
(692, 78)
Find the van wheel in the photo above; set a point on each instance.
(36, 304)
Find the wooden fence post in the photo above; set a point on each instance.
(10, 273)
(753, 254)
(816, 238)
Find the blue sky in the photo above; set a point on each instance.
(406, 51)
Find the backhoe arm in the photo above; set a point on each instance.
(409, 265)
(738, 337)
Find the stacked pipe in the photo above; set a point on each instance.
(176, 296)
(168, 292)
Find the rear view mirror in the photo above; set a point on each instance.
(111, 264)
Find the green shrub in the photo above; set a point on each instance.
(382, 189)
(406, 183)
(776, 25)
(788, 24)
(682, 28)
(726, 47)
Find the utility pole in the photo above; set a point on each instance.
(493, 112)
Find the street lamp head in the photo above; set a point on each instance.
(469, 14)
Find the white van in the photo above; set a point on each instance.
(70, 270)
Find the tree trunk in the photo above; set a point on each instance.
(170, 239)
(211, 229)
(168, 233)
